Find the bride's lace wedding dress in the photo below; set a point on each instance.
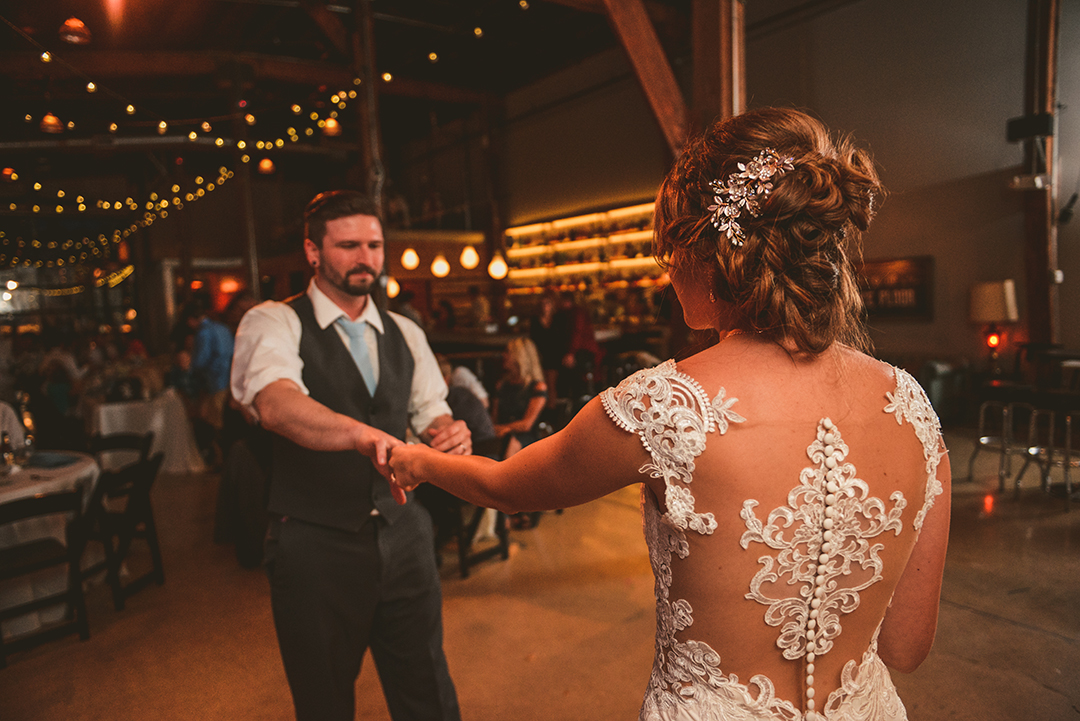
(815, 555)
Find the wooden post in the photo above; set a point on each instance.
(719, 61)
(1040, 204)
(364, 63)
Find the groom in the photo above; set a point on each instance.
(337, 380)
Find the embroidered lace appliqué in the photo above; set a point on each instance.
(671, 414)
(672, 427)
(823, 537)
(910, 403)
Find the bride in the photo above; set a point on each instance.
(795, 490)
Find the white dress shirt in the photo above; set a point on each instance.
(268, 350)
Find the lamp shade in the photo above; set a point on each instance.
(994, 302)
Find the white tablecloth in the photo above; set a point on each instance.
(166, 417)
(27, 482)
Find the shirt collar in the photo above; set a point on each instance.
(327, 311)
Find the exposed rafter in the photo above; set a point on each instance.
(638, 38)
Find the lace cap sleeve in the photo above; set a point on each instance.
(909, 403)
(671, 413)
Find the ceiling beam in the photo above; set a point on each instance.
(330, 24)
(103, 65)
(638, 38)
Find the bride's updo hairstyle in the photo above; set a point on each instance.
(789, 276)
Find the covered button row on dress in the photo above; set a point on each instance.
(833, 457)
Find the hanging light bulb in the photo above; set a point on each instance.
(331, 127)
(392, 287)
(410, 260)
(497, 268)
(51, 124)
(75, 32)
(440, 267)
(469, 258)
(162, 127)
(91, 87)
(266, 166)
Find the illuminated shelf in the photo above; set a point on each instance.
(603, 248)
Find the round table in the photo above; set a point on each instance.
(47, 472)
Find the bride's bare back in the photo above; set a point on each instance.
(770, 478)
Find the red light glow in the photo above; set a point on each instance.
(993, 340)
(196, 284)
(229, 285)
(988, 504)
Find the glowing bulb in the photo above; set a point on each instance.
(440, 267)
(478, 32)
(387, 77)
(162, 127)
(469, 258)
(249, 119)
(130, 109)
(91, 87)
(297, 109)
(392, 287)
(7, 296)
(331, 127)
(410, 260)
(433, 57)
(205, 127)
(266, 166)
(46, 57)
(12, 284)
(112, 127)
(497, 268)
(192, 135)
(241, 144)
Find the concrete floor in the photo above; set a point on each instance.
(563, 629)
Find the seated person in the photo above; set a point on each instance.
(520, 397)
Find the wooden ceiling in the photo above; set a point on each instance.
(185, 59)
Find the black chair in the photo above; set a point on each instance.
(126, 447)
(454, 518)
(120, 511)
(44, 553)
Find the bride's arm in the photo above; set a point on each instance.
(910, 624)
(588, 459)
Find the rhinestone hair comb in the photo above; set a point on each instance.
(742, 191)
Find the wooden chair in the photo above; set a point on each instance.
(43, 553)
(120, 511)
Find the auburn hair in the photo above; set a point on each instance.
(794, 279)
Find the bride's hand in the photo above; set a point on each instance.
(407, 465)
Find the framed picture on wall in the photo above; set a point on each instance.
(898, 288)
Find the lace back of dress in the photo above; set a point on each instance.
(825, 530)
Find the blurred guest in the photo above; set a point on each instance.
(211, 360)
(583, 353)
(465, 378)
(520, 397)
(406, 308)
(444, 317)
(479, 307)
(550, 333)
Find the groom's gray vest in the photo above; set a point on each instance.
(340, 488)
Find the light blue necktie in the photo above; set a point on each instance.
(359, 349)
